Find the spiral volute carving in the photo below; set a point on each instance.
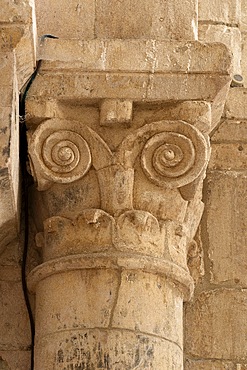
(174, 159)
(64, 156)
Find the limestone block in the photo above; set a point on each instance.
(14, 360)
(146, 19)
(244, 56)
(236, 104)
(9, 148)
(216, 325)
(14, 323)
(68, 20)
(16, 11)
(114, 112)
(25, 53)
(216, 11)
(211, 365)
(230, 36)
(243, 21)
(10, 36)
(230, 130)
(135, 56)
(226, 216)
(228, 156)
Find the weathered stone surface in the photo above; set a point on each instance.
(229, 156)
(210, 314)
(14, 360)
(146, 19)
(105, 349)
(14, 323)
(243, 20)
(135, 56)
(69, 20)
(230, 36)
(243, 58)
(9, 147)
(16, 11)
(212, 365)
(236, 103)
(213, 11)
(226, 211)
(113, 112)
(230, 130)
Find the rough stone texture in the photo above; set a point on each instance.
(120, 314)
(244, 53)
(236, 104)
(14, 360)
(119, 117)
(146, 19)
(9, 146)
(216, 311)
(243, 21)
(213, 365)
(219, 304)
(14, 323)
(17, 40)
(226, 252)
(230, 36)
(76, 21)
(129, 19)
(213, 11)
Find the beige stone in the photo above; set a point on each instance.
(114, 112)
(135, 56)
(230, 36)
(231, 130)
(228, 156)
(75, 21)
(13, 12)
(213, 11)
(236, 103)
(14, 325)
(227, 212)
(112, 349)
(243, 59)
(210, 365)
(243, 21)
(146, 19)
(14, 360)
(211, 314)
(119, 117)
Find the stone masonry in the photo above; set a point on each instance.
(137, 185)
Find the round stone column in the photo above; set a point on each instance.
(106, 302)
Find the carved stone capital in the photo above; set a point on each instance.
(155, 167)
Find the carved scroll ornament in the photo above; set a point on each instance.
(172, 153)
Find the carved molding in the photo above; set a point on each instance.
(133, 240)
